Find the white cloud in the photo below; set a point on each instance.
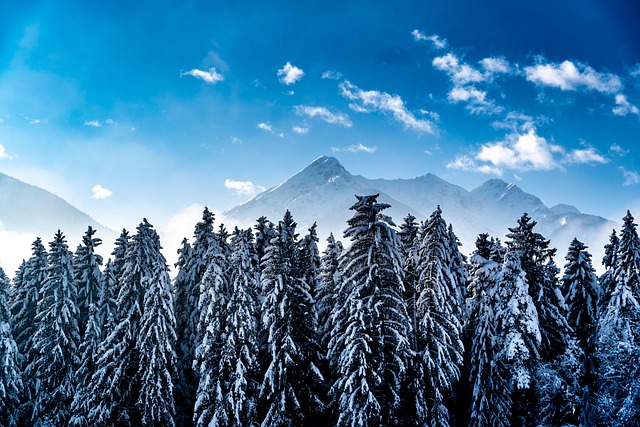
(618, 150)
(37, 121)
(373, 100)
(266, 126)
(497, 65)
(527, 151)
(356, 148)
(624, 107)
(243, 188)
(459, 73)
(300, 130)
(635, 71)
(236, 140)
(437, 41)
(3, 153)
(93, 123)
(289, 74)
(568, 76)
(584, 156)
(466, 163)
(111, 122)
(210, 77)
(516, 122)
(631, 177)
(476, 98)
(324, 114)
(332, 75)
(99, 192)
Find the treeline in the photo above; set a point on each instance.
(259, 329)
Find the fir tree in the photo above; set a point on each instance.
(56, 339)
(330, 279)
(291, 389)
(10, 375)
(265, 232)
(618, 348)
(369, 348)
(107, 308)
(88, 276)
(439, 330)
(610, 261)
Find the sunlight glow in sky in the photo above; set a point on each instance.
(143, 109)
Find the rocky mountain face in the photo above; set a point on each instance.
(323, 192)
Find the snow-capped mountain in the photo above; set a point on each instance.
(27, 211)
(324, 191)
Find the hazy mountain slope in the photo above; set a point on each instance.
(324, 190)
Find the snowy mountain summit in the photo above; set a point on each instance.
(323, 191)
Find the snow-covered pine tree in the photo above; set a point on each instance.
(608, 280)
(330, 278)
(119, 254)
(265, 231)
(88, 351)
(212, 309)
(490, 400)
(86, 264)
(56, 339)
(369, 345)
(24, 302)
(438, 313)
(107, 306)
(582, 294)
(236, 386)
(156, 341)
(10, 375)
(518, 339)
(191, 265)
(291, 389)
(618, 347)
(558, 392)
(116, 384)
(458, 270)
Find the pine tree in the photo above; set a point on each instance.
(192, 265)
(10, 375)
(618, 349)
(369, 346)
(56, 339)
(116, 385)
(490, 400)
(156, 343)
(582, 295)
(86, 264)
(291, 386)
(24, 301)
(439, 330)
(610, 261)
(518, 340)
(265, 232)
(107, 307)
(236, 385)
(330, 278)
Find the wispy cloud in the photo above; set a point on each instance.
(99, 192)
(437, 41)
(331, 75)
(477, 102)
(37, 121)
(570, 76)
(373, 100)
(210, 77)
(3, 153)
(93, 123)
(289, 74)
(587, 155)
(268, 127)
(618, 150)
(356, 148)
(459, 72)
(631, 177)
(300, 130)
(324, 114)
(243, 188)
(624, 107)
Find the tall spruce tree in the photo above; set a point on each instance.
(265, 231)
(56, 339)
(608, 278)
(10, 375)
(369, 347)
(291, 389)
(86, 265)
(438, 313)
(618, 348)
(24, 302)
(330, 278)
(192, 265)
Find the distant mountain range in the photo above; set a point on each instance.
(27, 211)
(323, 192)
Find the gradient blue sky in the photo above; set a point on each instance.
(132, 109)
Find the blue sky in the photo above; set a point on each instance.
(132, 109)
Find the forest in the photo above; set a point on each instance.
(395, 327)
